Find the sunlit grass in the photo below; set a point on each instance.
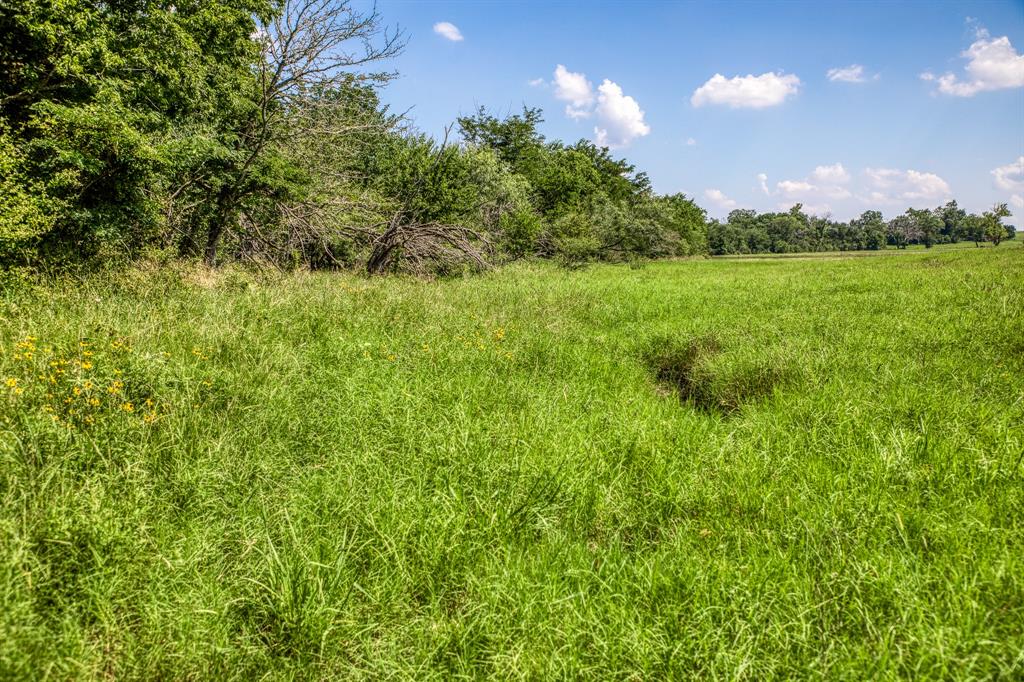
(328, 476)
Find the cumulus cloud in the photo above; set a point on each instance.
(620, 120)
(992, 64)
(889, 185)
(795, 187)
(718, 198)
(1011, 176)
(831, 175)
(824, 182)
(746, 92)
(448, 31)
(575, 89)
(536, 82)
(620, 116)
(690, 142)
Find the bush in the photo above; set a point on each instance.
(519, 233)
(572, 240)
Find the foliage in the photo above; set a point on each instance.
(103, 99)
(26, 212)
(994, 230)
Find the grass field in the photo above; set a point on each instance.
(224, 475)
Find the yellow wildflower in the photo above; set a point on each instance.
(128, 407)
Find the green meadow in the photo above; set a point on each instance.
(761, 469)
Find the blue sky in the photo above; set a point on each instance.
(935, 111)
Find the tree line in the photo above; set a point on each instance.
(794, 231)
(253, 130)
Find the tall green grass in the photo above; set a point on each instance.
(232, 475)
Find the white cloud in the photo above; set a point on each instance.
(750, 92)
(1011, 176)
(620, 116)
(1017, 200)
(717, 197)
(620, 120)
(992, 64)
(575, 89)
(690, 142)
(831, 175)
(854, 73)
(824, 182)
(889, 185)
(792, 188)
(448, 31)
(926, 186)
(536, 82)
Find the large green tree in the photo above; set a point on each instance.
(106, 100)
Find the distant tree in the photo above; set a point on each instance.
(820, 229)
(726, 238)
(972, 228)
(995, 231)
(901, 231)
(925, 225)
(953, 218)
(873, 229)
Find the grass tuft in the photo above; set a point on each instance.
(703, 375)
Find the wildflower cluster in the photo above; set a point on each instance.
(80, 386)
(486, 339)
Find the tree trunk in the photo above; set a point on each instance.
(212, 239)
(225, 209)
